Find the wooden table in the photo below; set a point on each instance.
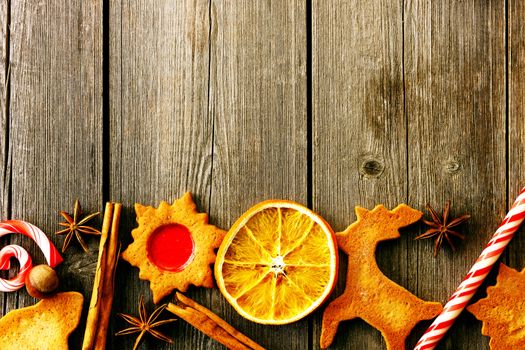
(329, 103)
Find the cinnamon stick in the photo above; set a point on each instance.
(104, 284)
(210, 324)
(108, 287)
(94, 305)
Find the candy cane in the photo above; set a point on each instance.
(17, 226)
(50, 252)
(476, 275)
(26, 264)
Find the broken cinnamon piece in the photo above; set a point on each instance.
(210, 324)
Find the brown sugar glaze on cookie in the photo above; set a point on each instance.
(171, 247)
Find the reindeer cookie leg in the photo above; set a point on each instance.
(395, 341)
(431, 310)
(334, 314)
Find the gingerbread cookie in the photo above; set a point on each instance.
(369, 294)
(43, 326)
(173, 246)
(502, 311)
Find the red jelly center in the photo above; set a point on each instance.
(171, 247)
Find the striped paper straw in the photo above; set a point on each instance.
(476, 275)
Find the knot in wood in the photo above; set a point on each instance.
(371, 167)
(452, 166)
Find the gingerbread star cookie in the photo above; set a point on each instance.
(503, 310)
(173, 246)
(369, 294)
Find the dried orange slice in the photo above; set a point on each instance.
(277, 263)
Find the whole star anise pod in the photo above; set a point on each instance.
(441, 228)
(75, 226)
(145, 324)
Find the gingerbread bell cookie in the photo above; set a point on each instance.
(173, 246)
(502, 311)
(369, 294)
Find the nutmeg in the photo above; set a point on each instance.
(41, 282)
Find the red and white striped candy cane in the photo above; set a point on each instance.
(476, 275)
(18, 226)
(26, 264)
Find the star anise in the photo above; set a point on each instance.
(144, 324)
(441, 227)
(75, 226)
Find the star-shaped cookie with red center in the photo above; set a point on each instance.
(173, 246)
(503, 310)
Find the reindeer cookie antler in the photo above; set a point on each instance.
(369, 294)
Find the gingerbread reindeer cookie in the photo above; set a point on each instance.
(369, 294)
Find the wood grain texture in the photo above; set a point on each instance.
(359, 144)
(5, 169)
(455, 104)
(55, 138)
(160, 132)
(516, 119)
(258, 100)
(4, 130)
(408, 105)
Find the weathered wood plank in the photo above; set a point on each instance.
(5, 169)
(455, 103)
(516, 127)
(4, 127)
(55, 138)
(359, 135)
(258, 100)
(4, 173)
(160, 131)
